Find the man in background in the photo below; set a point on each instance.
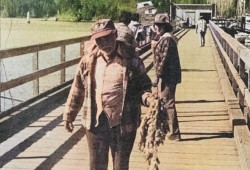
(168, 70)
(201, 29)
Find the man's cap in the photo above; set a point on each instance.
(102, 28)
(201, 17)
(161, 19)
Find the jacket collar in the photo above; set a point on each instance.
(171, 35)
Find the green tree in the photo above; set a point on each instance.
(99, 9)
(161, 5)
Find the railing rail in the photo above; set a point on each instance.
(237, 65)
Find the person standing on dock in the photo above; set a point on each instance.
(168, 69)
(201, 29)
(110, 86)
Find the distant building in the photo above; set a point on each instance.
(151, 11)
(144, 4)
(190, 13)
(146, 10)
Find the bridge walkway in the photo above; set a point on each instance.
(207, 138)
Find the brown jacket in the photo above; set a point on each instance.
(136, 89)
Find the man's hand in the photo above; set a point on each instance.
(155, 82)
(149, 100)
(155, 92)
(68, 125)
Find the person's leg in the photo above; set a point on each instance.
(168, 97)
(98, 143)
(200, 38)
(204, 39)
(121, 147)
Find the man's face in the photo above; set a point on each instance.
(106, 43)
(159, 28)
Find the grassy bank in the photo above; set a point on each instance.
(17, 32)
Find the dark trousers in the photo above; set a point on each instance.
(168, 97)
(202, 38)
(101, 138)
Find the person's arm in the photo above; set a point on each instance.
(142, 81)
(205, 26)
(75, 99)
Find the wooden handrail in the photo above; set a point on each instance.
(236, 60)
(27, 78)
(6, 53)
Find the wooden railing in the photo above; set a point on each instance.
(35, 49)
(33, 52)
(233, 64)
(237, 64)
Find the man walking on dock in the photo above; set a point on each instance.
(201, 29)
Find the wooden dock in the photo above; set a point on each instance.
(207, 137)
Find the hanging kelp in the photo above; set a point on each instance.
(152, 133)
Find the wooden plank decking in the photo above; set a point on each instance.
(207, 142)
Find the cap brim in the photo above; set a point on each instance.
(165, 23)
(161, 22)
(102, 33)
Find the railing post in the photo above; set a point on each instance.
(35, 60)
(224, 44)
(81, 48)
(0, 82)
(235, 59)
(242, 71)
(63, 56)
(248, 80)
(227, 49)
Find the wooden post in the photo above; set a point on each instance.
(28, 17)
(82, 49)
(36, 68)
(242, 68)
(235, 59)
(241, 97)
(63, 56)
(0, 82)
(248, 80)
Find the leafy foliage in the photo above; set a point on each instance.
(91, 9)
(74, 9)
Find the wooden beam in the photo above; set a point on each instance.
(27, 78)
(6, 53)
